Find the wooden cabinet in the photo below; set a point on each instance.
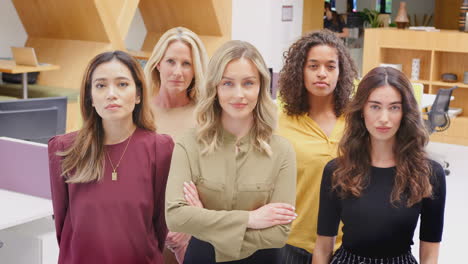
(440, 52)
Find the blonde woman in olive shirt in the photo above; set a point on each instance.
(232, 182)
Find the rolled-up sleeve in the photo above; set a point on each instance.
(284, 192)
(204, 224)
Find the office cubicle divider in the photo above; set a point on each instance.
(24, 167)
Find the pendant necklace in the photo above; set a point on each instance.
(114, 169)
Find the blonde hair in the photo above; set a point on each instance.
(199, 59)
(208, 110)
(84, 161)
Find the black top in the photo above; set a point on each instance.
(338, 27)
(373, 227)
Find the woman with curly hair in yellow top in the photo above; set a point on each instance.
(315, 85)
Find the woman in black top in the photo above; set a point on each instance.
(382, 180)
(334, 22)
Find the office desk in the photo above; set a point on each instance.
(17, 208)
(428, 99)
(9, 66)
(27, 232)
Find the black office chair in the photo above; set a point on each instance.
(438, 119)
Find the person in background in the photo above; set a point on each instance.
(175, 72)
(382, 180)
(232, 181)
(315, 85)
(109, 178)
(334, 22)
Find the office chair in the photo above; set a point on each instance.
(438, 119)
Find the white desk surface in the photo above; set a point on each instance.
(17, 208)
(428, 99)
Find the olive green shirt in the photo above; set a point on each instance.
(230, 185)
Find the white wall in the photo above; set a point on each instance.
(259, 22)
(369, 4)
(136, 33)
(11, 29)
(341, 6)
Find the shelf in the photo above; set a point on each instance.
(425, 82)
(404, 48)
(439, 53)
(405, 57)
(455, 134)
(447, 84)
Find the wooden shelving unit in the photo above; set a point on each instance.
(439, 52)
(209, 19)
(70, 34)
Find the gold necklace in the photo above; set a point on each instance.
(114, 169)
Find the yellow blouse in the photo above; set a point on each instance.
(230, 186)
(313, 151)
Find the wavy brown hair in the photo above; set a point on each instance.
(84, 160)
(413, 169)
(293, 92)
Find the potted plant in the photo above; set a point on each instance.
(371, 18)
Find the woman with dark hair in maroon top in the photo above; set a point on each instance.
(108, 179)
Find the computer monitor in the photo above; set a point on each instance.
(37, 125)
(40, 103)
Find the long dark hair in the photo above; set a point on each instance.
(86, 155)
(413, 170)
(336, 19)
(293, 92)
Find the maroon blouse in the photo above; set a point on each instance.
(114, 221)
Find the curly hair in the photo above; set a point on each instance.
(293, 92)
(413, 169)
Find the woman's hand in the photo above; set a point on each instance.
(180, 253)
(191, 195)
(270, 215)
(176, 240)
(177, 243)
